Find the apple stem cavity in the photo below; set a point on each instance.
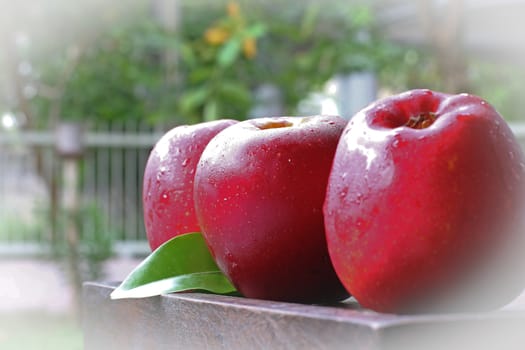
(274, 124)
(421, 121)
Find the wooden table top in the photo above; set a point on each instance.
(208, 321)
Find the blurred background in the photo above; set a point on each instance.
(87, 87)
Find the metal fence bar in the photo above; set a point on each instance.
(89, 175)
(115, 192)
(132, 188)
(103, 195)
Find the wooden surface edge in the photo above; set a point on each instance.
(208, 321)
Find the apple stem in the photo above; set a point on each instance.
(421, 121)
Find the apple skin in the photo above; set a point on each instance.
(430, 219)
(168, 180)
(259, 191)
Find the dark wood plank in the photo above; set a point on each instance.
(206, 321)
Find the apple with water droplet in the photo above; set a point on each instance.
(259, 191)
(425, 205)
(168, 180)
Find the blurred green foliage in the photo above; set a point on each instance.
(94, 246)
(501, 85)
(223, 51)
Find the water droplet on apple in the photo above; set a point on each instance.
(289, 160)
(343, 192)
(185, 162)
(395, 143)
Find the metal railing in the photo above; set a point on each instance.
(111, 172)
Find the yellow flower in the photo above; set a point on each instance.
(216, 35)
(233, 9)
(249, 47)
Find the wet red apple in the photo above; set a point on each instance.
(425, 205)
(259, 191)
(168, 180)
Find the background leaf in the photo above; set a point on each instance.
(194, 97)
(211, 110)
(257, 30)
(182, 263)
(229, 52)
(234, 92)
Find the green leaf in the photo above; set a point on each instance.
(200, 74)
(187, 54)
(362, 17)
(232, 92)
(229, 52)
(194, 98)
(257, 30)
(211, 110)
(309, 20)
(212, 281)
(182, 263)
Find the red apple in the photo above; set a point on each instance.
(425, 204)
(168, 180)
(259, 190)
